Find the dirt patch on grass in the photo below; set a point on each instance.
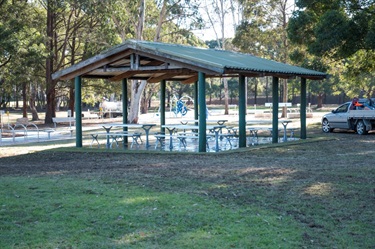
(340, 150)
(327, 185)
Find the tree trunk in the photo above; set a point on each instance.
(24, 100)
(16, 97)
(160, 21)
(285, 97)
(72, 84)
(137, 87)
(255, 90)
(50, 84)
(136, 93)
(141, 20)
(320, 100)
(71, 99)
(33, 110)
(226, 97)
(144, 108)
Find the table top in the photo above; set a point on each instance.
(259, 121)
(128, 125)
(285, 121)
(185, 121)
(218, 121)
(191, 127)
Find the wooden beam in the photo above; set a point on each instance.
(107, 69)
(124, 75)
(131, 73)
(190, 80)
(182, 63)
(123, 69)
(165, 76)
(87, 66)
(153, 63)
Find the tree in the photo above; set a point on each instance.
(216, 13)
(23, 67)
(72, 34)
(339, 33)
(263, 32)
(167, 21)
(334, 28)
(11, 22)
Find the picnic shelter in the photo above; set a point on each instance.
(158, 62)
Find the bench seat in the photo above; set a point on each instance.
(115, 136)
(89, 115)
(180, 137)
(70, 120)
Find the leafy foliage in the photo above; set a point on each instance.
(336, 28)
(338, 35)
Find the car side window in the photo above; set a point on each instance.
(343, 108)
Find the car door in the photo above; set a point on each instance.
(339, 117)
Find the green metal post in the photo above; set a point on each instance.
(125, 107)
(275, 110)
(202, 111)
(196, 100)
(242, 111)
(303, 108)
(78, 103)
(162, 105)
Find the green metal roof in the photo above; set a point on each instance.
(226, 59)
(142, 60)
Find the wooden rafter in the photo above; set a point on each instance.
(162, 77)
(88, 65)
(183, 63)
(124, 75)
(142, 71)
(190, 80)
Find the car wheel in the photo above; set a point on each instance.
(361, 128)
(326, 126)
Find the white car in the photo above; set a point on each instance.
(360, 118)
(338, 118)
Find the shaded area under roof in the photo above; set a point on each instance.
(153, 61)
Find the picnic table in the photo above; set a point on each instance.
(216, 129)
(285, 123)
(254, 130)
(218, 121)
(145, 127)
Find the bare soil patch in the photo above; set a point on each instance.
(341, 149)
(326, 183)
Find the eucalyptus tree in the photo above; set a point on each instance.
(341, 33)
(220, 14)
(158, 20)
(71, 35)
(24, 52)
(263, 32)
(359, 72)
(11, 25)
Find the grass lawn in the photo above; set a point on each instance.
(318, 193)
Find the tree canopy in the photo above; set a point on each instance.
(334, 28)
